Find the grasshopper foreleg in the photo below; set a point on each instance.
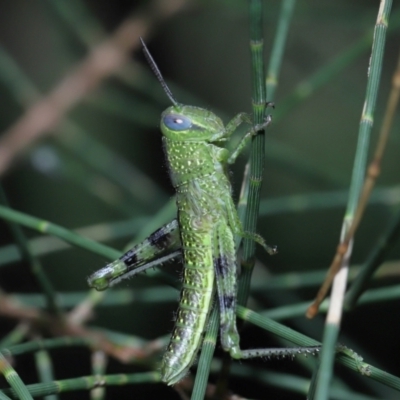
(246, 138)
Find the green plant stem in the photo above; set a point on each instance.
(13, 379)
(99, 366)
(378, 254)
(332, 326)
(286, 204)
(345, 357)
(373, 296)
(45, 369)
(44, 226)
(34, 263)
(207, 352)
(332, 69)
(86, 383)
(278, 47)
(257, 147)
(162, 294)
(45, 344)
(16, 335)
(99, 232)
(3, 396)
(291, 383)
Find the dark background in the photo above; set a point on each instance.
(204, 52)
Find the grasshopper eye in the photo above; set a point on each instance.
(177, 122)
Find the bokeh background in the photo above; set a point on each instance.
(202, 50)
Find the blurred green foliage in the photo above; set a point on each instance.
(204, 52)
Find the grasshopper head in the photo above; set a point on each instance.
(191, 124)
(185, 123)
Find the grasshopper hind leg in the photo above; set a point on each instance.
(139, 257)
(225, 267)
(226, 278)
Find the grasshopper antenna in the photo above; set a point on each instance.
(157, 73)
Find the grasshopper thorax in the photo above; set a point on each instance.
(191, 124)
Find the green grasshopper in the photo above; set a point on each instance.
(204, 231)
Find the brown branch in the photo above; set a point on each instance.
(373, 172)
(104, 60)
(41, 322)
(11, 308)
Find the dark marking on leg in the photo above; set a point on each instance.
(130, 258)
(160, 239)
(229, 301)
(221, 266)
